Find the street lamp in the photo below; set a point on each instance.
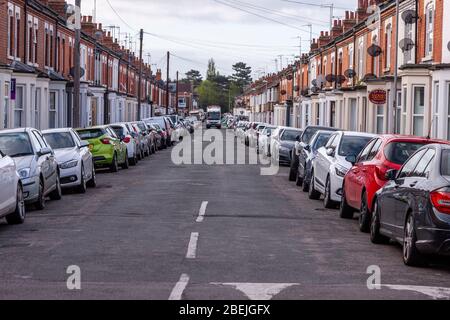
(290, 103)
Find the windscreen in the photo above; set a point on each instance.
(90, 133)
(60, 140)
(353, 145)
(308, 134)
(399, 152)
(16, 144)
(213, 115)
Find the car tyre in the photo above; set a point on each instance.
(375, 236)
(293, 172)
(18, 216)
(93, 182)
(57, 193)
(313, 194)
(299, 181)
(364, 217)
(40, 204)
(114, 164)
(82, 188)
(411, 255)
(328, 203)
(345, 211)
(126, 164)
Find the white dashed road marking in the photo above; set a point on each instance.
(201, 213)
(192, 248)
(436, 293)
(258, 291)
(177, 292)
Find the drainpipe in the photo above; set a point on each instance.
(393, 126)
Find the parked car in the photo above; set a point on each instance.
(128, 137)
(12, 204)
(307, 155)
(106, 147)
(282, 145)
(144, 139)
(239, 130)
(413, 207)
(250, 132)
(305, 140)
(368, 175)
(156, 130)
(35, 162)
(76, 165)
(165, 125)
(331, 165)
(253, 136)
(264, 139)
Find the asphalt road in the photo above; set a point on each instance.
(138, 235)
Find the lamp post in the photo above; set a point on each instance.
(290, 103)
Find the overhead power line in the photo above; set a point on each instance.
(118, 15)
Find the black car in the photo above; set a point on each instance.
(307, 155)
(413, 208)
(287, 143)
(302, 142)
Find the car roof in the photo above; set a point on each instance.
(399, 137)
(358, 134)
(58, 130)
(17, 130)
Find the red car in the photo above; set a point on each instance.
(368, 175)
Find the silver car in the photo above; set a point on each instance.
(35, 162)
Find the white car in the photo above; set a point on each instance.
(264, 140)
(74, 159)
(35, 162)
(128, 137)
(330, 165)
(275, 141)
(283, 145)
(12, 205)
(253, 135)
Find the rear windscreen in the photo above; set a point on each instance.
(119, 131)
(445, 163)
(90, 133)
(399, 152)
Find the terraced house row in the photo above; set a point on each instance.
(36, 59)
(347, 78)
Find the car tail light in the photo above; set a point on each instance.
(105, 141)
(441, 200)
(127, 139)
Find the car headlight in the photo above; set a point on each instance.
(24, 173)
(341, 171)
(69, 164)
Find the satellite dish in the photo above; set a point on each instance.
(340, 79)
(448, 46)
(369, 76)
(350, 73)
(320, 80)
(406, 45)
(98, 34)
(330, 78)
(314, 89)
(409, 16)
(374, 50)
(72, 72)
(314, 82)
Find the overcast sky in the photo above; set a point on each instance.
(196, 30)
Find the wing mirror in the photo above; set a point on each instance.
(307, 148)
(391, 175)
(298, 139)
(351, 159)
(330, 152)
(45, 151)
(84, 144)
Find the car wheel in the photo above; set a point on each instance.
(293, 173)
(57, 193)
(82, 188)
(345, 211)
(93, 182)
(114, 164)
(364, 216)
(40, 204)
(18, 216)
(411, 255)
(328, 203)
(313, 194)
(125, 165)
(375, 236)
(299, 181)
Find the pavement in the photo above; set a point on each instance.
(160, 231)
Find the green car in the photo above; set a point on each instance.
(108, 150)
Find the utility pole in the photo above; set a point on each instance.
(176, 96)
(167, 83)
(393, 127)
(141, 40)
(76, 118)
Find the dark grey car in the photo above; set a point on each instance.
(307, 155)
(413, 208)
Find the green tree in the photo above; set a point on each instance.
(242, 75)
(193, 75)
(212, 72)
(208, 94)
